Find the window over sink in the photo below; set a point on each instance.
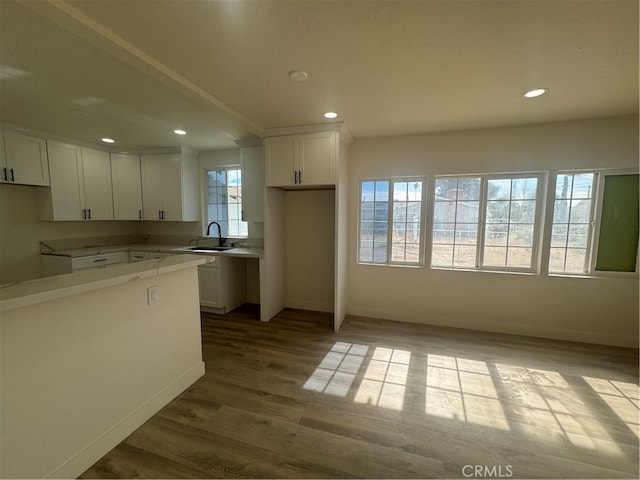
(224, 201)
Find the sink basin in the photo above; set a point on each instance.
(209, 249)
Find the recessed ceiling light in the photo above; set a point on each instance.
(179, 132)
(108, 140)
(330, 115)
(535, 93)
(298, 75)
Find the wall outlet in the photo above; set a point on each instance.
(153, 295)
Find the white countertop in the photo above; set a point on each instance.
(160, 248)
(31, 292)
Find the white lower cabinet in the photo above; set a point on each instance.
(222, 284)
(59, 265)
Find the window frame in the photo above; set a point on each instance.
(206, 203)
(595, 224)
(390, 222)
(538, 227)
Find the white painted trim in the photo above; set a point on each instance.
(94, 451)
(340, 127)
(509, 329)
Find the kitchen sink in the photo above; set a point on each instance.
(210, 249)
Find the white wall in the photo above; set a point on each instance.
(21, 230)
(599, 310)
(310, 247)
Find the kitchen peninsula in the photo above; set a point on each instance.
(88, 357)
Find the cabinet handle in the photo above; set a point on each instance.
(13, 179)
(295, 177)
(89, 210)
(140, 214)
(299, 176)
(84, 213)
(159, 214)
(101, 260)
(4, 173)
(162, 214)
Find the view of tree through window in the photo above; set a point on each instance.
(571, 231)
(391, 230)
(504, 208)
(224, 202)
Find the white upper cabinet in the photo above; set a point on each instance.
(127, 187)
(302, 160)
(169, 187)
(24, 160)
(252, 160)
(80, 184)
(96, 175)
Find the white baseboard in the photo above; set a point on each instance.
(487, 326)
(97, 449)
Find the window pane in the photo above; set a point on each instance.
(582, 185)
(498, 212)
(556, 259)
(412, 252)
(467, 212)
(496, 234)
(499, 189)
(559, 235)
(561, 211)
(521, 235)
(380, 252)
(399, 230)
(399, 212)
(523, 211)
(578, 236)
(444, 212)
(224, 202)
(442, 255)
(382, 191)
(446, 188)
(524, 188)
(380, 231)
(495, 256)
(443, 232)
(381, 211)
(576, 258)
(414, 210)
(367, 192)
(469, 189)
(519, 257)
(467, 234)
(414, 191)
(400, 191)
(465, 256)
(580, 211)
(366, 212)
(564, 185)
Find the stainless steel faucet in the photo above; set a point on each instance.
(220, 239)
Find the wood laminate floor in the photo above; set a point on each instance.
(381, 399)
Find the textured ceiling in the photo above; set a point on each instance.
(219, 69)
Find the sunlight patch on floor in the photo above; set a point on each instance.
(462, 389)
(385, 380)
(338, 369)
(547, 408)
(623, 398)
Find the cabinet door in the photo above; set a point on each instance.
(151, 186)
(65, 171)
(26, 159)
(127, 187)
(252, 184)
(96, 173)
(209, 287)
(280, 154)
(172, 187)
(317, 158)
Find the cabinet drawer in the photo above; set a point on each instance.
(95, 261)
